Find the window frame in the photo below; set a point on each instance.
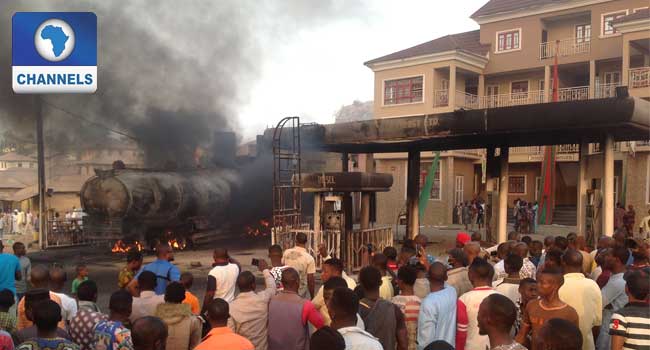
(457, 190)
(525, 184)
(584, 38)
(603, 34)
(383, 91)
(427, 165)
(520, 81)
(504, 33)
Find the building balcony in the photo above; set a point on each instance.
(564, 47)
(639, 77)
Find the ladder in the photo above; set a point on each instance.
(287, 190)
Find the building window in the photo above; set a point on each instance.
(639, 9)
(459, 189)
(518, 87)
(492, 90)
(399, 91)
(607, 19)
(435, 189)
(612, 78)
(517, 184)
(508, 40)
(583, 33)
(20, 165)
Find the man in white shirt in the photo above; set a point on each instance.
(509, 286)
(298, 258)
(148, 301)
(343, 308)
(583, 295)
(68, 304)
(222, 278)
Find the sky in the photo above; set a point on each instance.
(321, 69)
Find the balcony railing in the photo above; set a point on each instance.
(514, 99)
(440, 98)
(639, 77)
(606, 90)
(576, 93)
(565, 47)
(467, 101)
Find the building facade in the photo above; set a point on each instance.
(599, 44)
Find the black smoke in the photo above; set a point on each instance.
(170, 72)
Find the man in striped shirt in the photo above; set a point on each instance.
(630, 326)
(408, 302)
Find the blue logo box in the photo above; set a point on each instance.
(54, 52)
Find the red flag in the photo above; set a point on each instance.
(556, 81)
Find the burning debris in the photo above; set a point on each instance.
(262, 228)
(122, 247)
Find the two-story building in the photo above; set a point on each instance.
(509, 61)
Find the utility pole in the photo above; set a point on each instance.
(42, 222)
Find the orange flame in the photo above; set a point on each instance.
(263, 228)
(176, 244)
(122, 247)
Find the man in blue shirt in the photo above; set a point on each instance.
(165, 271)
(437, 319)
(9, 270)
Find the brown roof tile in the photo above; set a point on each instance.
(502, 6)
(468, 41)
(641, 14)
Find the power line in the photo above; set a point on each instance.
(77, 116)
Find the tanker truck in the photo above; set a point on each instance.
(144, 205)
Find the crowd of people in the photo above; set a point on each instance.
(536, 295)
(17, 222)
(470, 213)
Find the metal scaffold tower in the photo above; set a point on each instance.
(287, 190)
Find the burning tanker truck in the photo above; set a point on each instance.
(136, 205)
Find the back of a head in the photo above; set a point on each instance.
(390, 252)
(34, 296)
(370, 278)
(572, 259)
(187, 279)
(133, 255)
(175, 293)
(526, 239)
(621, 254)
(326, 338)
(121, 302)
(162, 249)
(301, 238)
(46, 314)
(290, 278)
(6, 298)
(335, 264)
(638, 284)
(40, 276)
(246, 282)
(503, 249)
(407, 274)
(335, 282)
(561, 242)
(275, 250)
(437, 273)
(87, 291)
(345, 303)
(513, 263)
(476, 237)
(513, 236)
(559, 334)
(218, 311)
(554, 255)
(481, 270)
(147, 331)
(459, 255)
(502, 311)
(220, 254)
(58, 277)
(439, 345)
(380, 260)
(549, 241)
(147, 280)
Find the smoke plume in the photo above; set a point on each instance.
(170, 72)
